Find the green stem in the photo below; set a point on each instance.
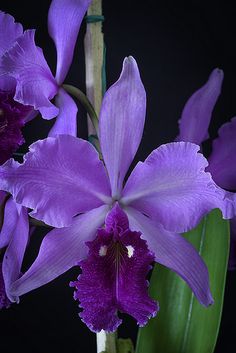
(82, 98)
(106, 342)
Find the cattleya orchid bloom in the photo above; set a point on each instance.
(193, 126)
(68, 187)
(23, 63)
(13, 115)
(27, 86)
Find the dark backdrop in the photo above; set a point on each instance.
(176, 44)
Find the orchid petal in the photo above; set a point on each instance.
(222, 161)
(122, 119)
(66, 121)
(196, 116)
(57, 172)
(10, 31)
(10, 220)
(14, 254)
(60, 250)
(64, 20)
(35, 84)
(172, 187)
(174, 252)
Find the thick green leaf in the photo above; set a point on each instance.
(183, 325)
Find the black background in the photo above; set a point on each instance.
(176, 44)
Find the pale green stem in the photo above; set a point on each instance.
(106, 342)
(81, 97)
(94, 59)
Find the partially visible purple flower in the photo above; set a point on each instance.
(13, 115)
(194, 124)
(25, 64)
(67, 186)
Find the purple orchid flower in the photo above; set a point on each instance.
(68, 187)
(193, 126)
(13, 115)
(24, 63)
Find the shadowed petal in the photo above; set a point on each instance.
(12, 119)
(122, 119)
(66, 121)
(222, 161)
(10, 31)
(174, 252)
(57, 172)
(4, 301)
(13, 257)
(35, 84)
(9, 222)
(172, 187)
(196, 116)
(60, 250)
(64, 20)
(114, 276)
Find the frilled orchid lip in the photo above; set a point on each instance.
(113, 276)
(12, 119)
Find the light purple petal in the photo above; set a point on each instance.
(172, 187)
(60, 178)
(222, 161)
(7, 83)
(174, 252)
(64, 20)
(114, 276)
(66, 121)
(60, 250)
(196, 116)
(122, 119)
(9, 30)
(13, 257)
(10, 220)
(35, 83)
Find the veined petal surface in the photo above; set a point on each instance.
(172, 187)
(10, 31)
(60, 178)
(196, 116)
(64, 20)
(174, 252)
(66, 121)
(9, 222)
(35, 84)
(60, 250)
(13, 257)
(121, 123)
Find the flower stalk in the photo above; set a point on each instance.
(94, 58)
(106, 342)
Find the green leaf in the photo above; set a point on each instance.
(183, 325)
(125, 345)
